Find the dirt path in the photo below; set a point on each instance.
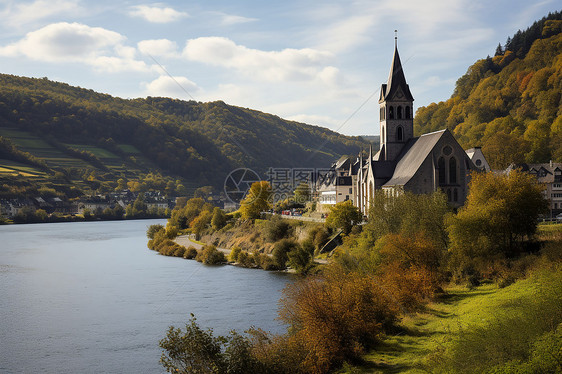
(186, 241)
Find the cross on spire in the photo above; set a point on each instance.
(395, 38)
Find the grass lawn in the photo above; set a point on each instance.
(422, 334)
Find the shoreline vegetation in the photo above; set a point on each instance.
(416, 288)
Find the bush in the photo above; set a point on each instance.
(300, 257)
(198, 351)
(336, 318)
(265, 262)
(276, 229)
(190, 253)
(234, 252)
(179, 252)
(153, 229)
(209, 255)
(246, 259)
(281, 250)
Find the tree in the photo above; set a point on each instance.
(219, 219)
(256, 201)
(344, 216)
(302, 194)
(500, 214)
(198, 351)
(201, 222)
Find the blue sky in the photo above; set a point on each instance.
(319, 62)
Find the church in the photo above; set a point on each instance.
(403, 162)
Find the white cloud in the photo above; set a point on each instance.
(158, 47)
(230, 19)
(21, 13)
(176, 87)
(75, 42)
(156, 14)
(285, 65)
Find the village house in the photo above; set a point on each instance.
(549, 174)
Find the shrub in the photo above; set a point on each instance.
(209, 255)
(336, 317)
(265, 262)
(198, 351)
(300, 257)
(281, 250)
(179, 252)
(190, 253)
(246, 259)
(276, 229)
(153, 229)
(234, 252)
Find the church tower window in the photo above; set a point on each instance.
(399, 112)
(391, 112)
(399, 134)
(408, 112)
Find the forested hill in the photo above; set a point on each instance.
(201, 142)
(509, 104)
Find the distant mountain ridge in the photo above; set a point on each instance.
(509, 104)
(193, 141)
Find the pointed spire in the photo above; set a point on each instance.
(396, 76)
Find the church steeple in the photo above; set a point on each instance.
(396, 80)
(396, 111)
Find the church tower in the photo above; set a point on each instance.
(396, 111)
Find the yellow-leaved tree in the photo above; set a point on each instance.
(256, 201)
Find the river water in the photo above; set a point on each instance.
(90, 297)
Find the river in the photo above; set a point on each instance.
(90, 297)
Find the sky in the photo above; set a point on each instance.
(318, 62)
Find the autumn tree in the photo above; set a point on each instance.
(344, 216)
(219, 219)
(500, 214)
(201, 223)
(336, 317)
(256, 200)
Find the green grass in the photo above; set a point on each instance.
(420, 336)
(130, 149)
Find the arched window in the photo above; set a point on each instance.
(441, 171)
(399, 134)
(391, 112)
(399, 112)
(408, 112)
(452, 170)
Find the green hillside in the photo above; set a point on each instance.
(509, 104)
(91, 140)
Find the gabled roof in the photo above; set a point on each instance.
(412, 156)
(396, 81)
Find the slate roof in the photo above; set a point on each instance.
(396, 79)
(412, 156)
